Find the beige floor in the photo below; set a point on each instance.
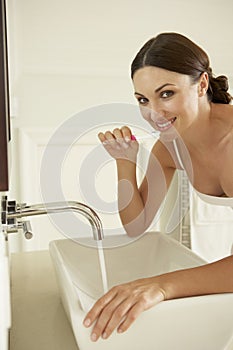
(38, 318)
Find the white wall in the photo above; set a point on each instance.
(69, 55)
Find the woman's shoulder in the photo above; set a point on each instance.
(222, 118)
(224, 113)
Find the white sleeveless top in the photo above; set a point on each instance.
(223, 201)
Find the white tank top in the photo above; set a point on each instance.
(225, 201)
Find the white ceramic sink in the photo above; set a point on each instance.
(197, 323)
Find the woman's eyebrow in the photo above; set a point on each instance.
(156, 90)
(138, 93)
(162, 86)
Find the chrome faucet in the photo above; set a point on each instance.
(11, 213)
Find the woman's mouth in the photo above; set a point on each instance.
(163, 125)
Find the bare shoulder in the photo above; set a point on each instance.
(226, 117)
(229, 114)
(224, 112)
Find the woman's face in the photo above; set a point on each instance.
(166, 99)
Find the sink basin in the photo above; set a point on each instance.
(203, 323)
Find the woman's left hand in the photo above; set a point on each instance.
(120, 307)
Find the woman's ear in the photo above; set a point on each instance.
(203, 84)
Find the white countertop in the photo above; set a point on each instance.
(38, 318)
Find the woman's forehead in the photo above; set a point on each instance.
(156, 77)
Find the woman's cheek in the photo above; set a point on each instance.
(146, 113)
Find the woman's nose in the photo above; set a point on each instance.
(155, 112)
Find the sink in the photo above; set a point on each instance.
(203, 322)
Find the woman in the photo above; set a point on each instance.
(179, 96)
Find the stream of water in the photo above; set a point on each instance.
(102, 266)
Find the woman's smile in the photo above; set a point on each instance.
(163, 124)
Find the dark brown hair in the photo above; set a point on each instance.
(175, 52)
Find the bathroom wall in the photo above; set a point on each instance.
(67, 56)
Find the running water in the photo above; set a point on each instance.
(102, 266)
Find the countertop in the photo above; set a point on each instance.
(39, 321)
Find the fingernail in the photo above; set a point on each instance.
(93, 337)
(87, 322)
(127, 138)
(104, 335)
(105, 143)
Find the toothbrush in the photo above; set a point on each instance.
(153, 134)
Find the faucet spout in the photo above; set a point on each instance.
(60, 207)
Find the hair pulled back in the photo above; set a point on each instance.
(175, 52)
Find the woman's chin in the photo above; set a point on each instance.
(169, 135)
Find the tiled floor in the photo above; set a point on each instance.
(38, 318)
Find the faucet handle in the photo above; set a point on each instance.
(11, 208)
(27, 229)
(11, 205)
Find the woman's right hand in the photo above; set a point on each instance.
(120, 144)
(122, 304)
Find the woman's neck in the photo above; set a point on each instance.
(200, 130)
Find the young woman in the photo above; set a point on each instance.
(179, 96)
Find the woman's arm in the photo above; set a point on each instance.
(120, 307)
(138, 205)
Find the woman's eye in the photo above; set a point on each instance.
(142, 100)
(166, 94)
